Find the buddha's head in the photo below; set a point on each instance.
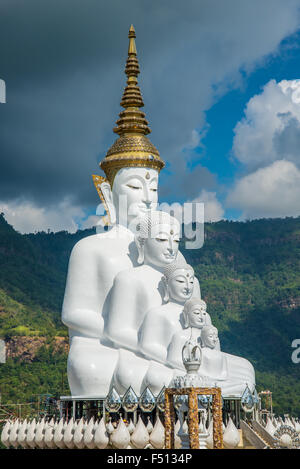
(194, 313)
(178, 281)
(129, 194)
(210, 337)
(157, 239)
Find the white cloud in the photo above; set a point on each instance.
(90, 222)
(270, 130)
(26, 217)
(213, 210)
(272, 191)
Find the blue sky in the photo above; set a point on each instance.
(207, 68)
(215, 153)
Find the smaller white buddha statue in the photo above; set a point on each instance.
(195, 318)
(214, 363)
(210, 337)
(162, 322)
(137, 290)
(230, 372)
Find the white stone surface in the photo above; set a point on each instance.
(125, 319)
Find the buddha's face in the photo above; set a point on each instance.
(197, 316)
(161, 247)
(134, 191)
(210, 337)
(181, 285)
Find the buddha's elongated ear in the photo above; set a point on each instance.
(166, 295)
(105, 194)
(140, 244)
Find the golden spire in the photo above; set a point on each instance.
(132, 148)
(132, 120)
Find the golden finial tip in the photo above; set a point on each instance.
(132, 46)
(131, 33)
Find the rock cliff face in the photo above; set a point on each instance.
(26, 348)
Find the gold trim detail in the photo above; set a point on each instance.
(98, 180)
(193, 425)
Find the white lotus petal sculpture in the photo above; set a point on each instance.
(140, 436)
(5, 433)
(101, 437)
(49, 434)
(78, 435)
(30, 437)
(231, 436)
(157, 436)
(13, 436)
(69, 434)
(120, 438)
(88, 437)
(58, 436)
(39, 434)
(22, 434)
(109, 427)
(270, 427)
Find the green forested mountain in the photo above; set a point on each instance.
(249, 276)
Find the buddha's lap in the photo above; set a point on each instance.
(88, 353)
(157, 376)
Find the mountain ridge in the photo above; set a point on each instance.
(249, 276)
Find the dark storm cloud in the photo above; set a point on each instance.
(63, 65)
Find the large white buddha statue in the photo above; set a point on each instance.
(131, 167)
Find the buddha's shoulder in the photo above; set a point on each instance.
(182, 334)
(132, 276)
(157, 312)
(101, 245)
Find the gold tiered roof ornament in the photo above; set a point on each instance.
(132, 148)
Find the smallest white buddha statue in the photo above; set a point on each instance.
(195, 317)
(214, 363)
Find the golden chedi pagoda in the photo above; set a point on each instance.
(132, 148)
